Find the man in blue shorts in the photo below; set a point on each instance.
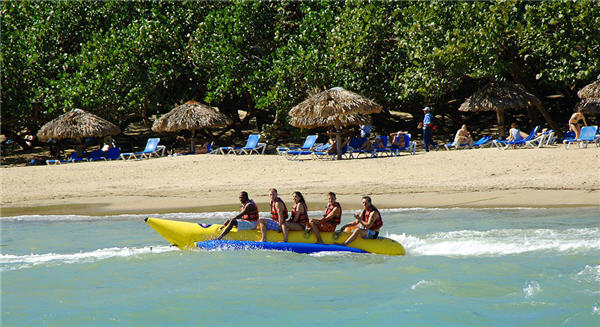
(279, 214)
(368, 222)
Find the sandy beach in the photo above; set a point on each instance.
(547, 177)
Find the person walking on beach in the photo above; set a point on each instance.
(331, 218)
(299, 218)
(574, 124)
(279, 214)
(369, 222)
(248, 216)
(427, 125)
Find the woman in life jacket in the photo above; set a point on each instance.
(248, 216)
(299, 217)
(330, 220)
(368, 222)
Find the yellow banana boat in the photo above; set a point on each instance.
(187, 235)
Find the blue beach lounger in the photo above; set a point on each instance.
(506, 144)
(296, 154)
(74, 158)
(252, 145)
(152, 148)
(309, 143)
(588, 134)
(409, 146)
(113, 154)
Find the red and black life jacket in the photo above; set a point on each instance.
(365, 218)
(274, 214)
(336, 219)
(252, 214)
(302, 217)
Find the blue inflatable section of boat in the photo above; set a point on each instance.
(280, 246)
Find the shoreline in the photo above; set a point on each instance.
(480, 178)
(460, 200)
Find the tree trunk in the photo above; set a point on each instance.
(500, 116)
(193, 141)
(338, 139)
(549, 120)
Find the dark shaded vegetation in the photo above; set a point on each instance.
(131, 61)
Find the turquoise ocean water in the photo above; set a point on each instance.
(464, 267)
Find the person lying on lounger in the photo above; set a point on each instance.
(370, 146)
(398, 139)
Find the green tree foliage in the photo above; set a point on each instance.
(127, 60)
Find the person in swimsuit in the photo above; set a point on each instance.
(331, 218)
(248, 216)
(299, 217)
(574, 124)
(398, 139)
(279, 214)
(369, 222)
(463, 137)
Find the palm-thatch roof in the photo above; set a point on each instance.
(589, 105)
(345, 120)
(334, 107)
(591, 90)
(498, 96)
(191, 115)
(77, 124)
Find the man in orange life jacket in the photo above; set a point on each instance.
(369, 222)
(279, 214)
(330, 220)
(248, 216)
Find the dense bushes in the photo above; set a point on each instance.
(130, 60)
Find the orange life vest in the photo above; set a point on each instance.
(336, 219)
(274, 214)
(365, 218)
(252, 214)
(302, 217)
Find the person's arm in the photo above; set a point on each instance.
(333, 213)
(583, 117)
(372, 217)
(244, 211)
(299, 210)
(279, 208)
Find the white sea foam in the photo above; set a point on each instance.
(532, 288)
(15, 262)
(423, 283)
(590, 274)
(501, 242)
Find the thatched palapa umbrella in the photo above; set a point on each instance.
(500, 96)
(334, 107)
(77, 124)
(590, 98)
(191, 115)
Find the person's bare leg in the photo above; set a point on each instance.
(315, 229)
(284, 229)
(263, 230)
(228, 226)
(352, 237)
